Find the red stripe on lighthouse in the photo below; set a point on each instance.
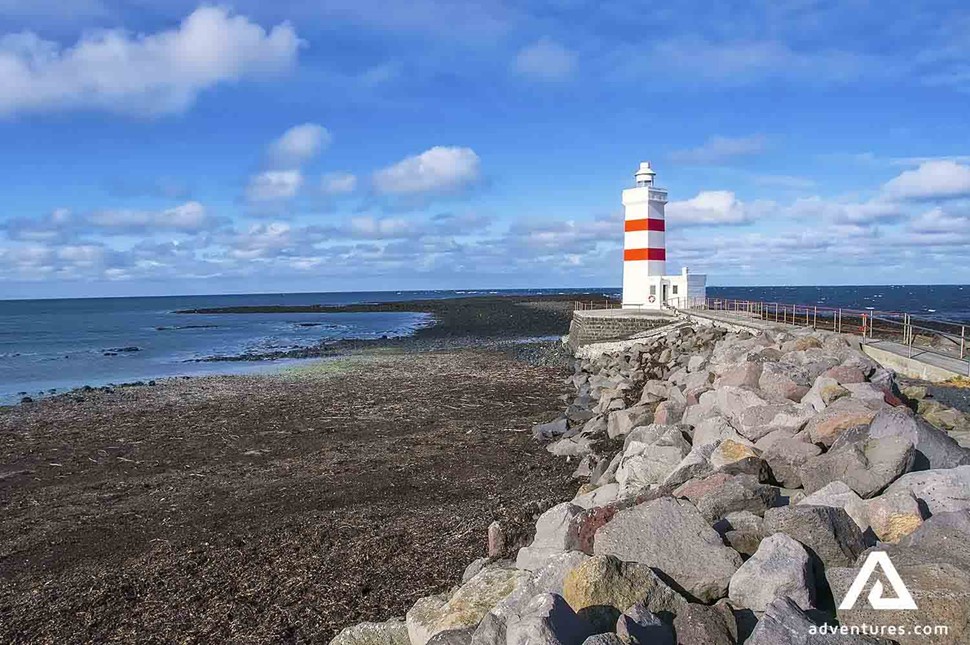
(633, 255)
(648, 224)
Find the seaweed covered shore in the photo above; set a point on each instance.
(275, 508)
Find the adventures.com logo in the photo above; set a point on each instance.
(901, 600)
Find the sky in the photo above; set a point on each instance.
(154, 148)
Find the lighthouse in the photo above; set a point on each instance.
(645, 285)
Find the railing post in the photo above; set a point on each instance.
(963, 340)
(815, 318)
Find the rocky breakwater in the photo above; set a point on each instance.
(732, 486)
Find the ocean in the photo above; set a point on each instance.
(49, 346)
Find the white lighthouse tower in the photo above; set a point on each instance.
(645, 251)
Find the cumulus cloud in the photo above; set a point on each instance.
(298, 145)
(144, 74)
(938, 220)
(938, 179)
(871, 211)
(338, 183)
(711, 207)
(273, 186)
(545, 60)
(440, 169)
(718, 148)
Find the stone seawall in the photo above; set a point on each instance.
(611, 324)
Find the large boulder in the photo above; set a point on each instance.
(781, 381)
(706, 625)
(945, 537)
(939, 491)
(844, 414)
(640, 626)
(744, 375)
(759, 420)
(713, 429)
(737, 457)
(830, 534)
(731, 401)
(674, 538)
(785, 457)
(547, 620)
(893, 517)
(780, 567)
(784, 623)
(669, 412)
(934, 448)
(621, 422)
(466, 607)
(422, 617)
(867, 466)
(603, 587)
(718, 495)
(557, 531)
(697, 463)
(839, 495)
(650, 455)
(391, 632)
(599, 496)
(824, 392)
(548, 579)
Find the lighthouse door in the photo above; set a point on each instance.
(663, 298)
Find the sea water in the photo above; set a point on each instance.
(55, 345)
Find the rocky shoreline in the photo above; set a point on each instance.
(730, 488)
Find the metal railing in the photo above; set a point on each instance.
(583, 305)
(918, 333)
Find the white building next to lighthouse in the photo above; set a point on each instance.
(645, 251)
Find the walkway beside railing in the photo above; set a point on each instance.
(940, 342)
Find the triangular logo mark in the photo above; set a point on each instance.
(903, 599)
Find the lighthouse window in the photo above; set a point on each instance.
(653, 290)
(674, 290)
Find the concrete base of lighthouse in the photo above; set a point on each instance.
(654, 292)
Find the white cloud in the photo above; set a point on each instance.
(380, 228)
(719, 148)
(939, 179)
(438, 170)
(189, 217)
(545, 60)
(143, 74)
(274, 186)
(338, 183)
(710, 207)
(937, 220)
(62, 224)
(298, 145)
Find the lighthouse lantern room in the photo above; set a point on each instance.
(645, 252)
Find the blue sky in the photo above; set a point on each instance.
(174, 147)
